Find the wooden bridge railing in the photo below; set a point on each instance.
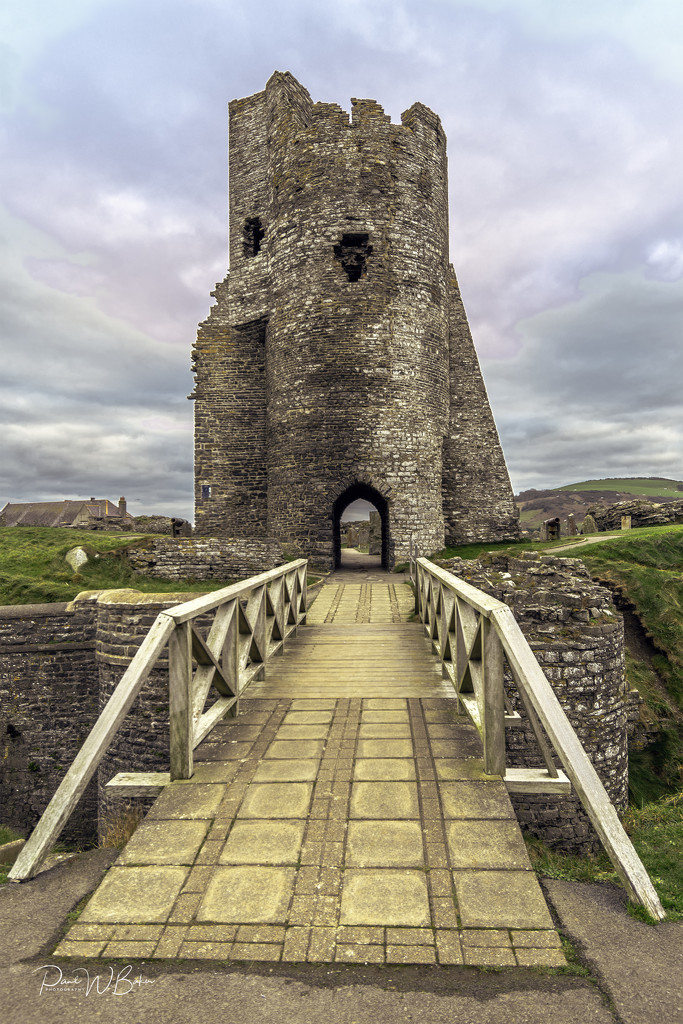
(475, 635)
(251, 622)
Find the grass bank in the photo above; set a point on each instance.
(33, 570)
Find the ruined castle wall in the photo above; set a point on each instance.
(478, 503)
(230, 425)
(48, 704)
(332, 359)
(357, 376)
(577, 636)
(206, 558)
(230, 352)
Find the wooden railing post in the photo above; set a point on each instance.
(231, 658)
(180, 701)
(494, 702)
(304, 592)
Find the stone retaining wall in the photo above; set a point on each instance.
(206, 558)
(577, 635)
(124, 618)
(48, 704)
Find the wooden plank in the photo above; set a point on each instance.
(576, 763)
(211, 716)
(536, 780)
(180, 700)
(471, 706)
(93, 750)
(139, 783)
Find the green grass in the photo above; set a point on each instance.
(656, 831)
(7, 835)
(647, 486)
(33, 570)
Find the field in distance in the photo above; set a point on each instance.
(653, 487)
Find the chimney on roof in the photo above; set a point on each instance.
(122, 507)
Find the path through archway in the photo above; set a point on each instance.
(372, 496)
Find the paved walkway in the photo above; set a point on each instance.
(341, 825)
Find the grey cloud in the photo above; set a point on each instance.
(595, 389)
(564, 160)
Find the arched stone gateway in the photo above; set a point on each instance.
(338, 349)
(368, 493)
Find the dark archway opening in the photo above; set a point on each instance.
(372, 496)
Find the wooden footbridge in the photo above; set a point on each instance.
(357, 808)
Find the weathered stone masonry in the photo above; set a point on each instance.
(577, 636)
(48, 704)
(337, 362)
(205, 558)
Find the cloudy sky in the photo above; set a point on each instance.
(565, 129)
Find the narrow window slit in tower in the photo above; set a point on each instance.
(253, 236)
(352, 252)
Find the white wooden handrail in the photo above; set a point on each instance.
(474, 635)
(252, 620)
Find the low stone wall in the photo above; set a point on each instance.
(577, 635)
(205, 558)
(49, 697)
(124, 618)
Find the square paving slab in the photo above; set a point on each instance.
(295, 748)
(476, 800)
(263, 842)
(388, 898)
(384, 800)
(384, 730)
(307, 718)
(302, 732)
(135, 895)
(287, 771)
(390, 844)
(384, 769)
(486, 844)
(164, 842)
(276, 800)
(250, 895)
(187, 800)
(385, 748)
(501, 899)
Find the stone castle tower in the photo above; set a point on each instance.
(337, 362)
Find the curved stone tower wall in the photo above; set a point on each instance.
(329, 362)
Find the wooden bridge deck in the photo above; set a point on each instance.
(358, 643)
(344, 815)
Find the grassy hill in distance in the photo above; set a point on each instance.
(658, 488)
(535, 506)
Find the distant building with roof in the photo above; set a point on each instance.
(90, 514)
